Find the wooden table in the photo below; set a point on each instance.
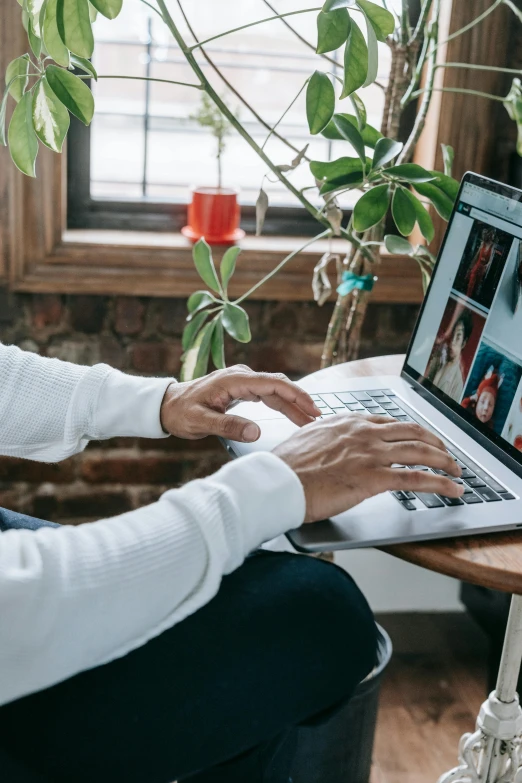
(493, 753)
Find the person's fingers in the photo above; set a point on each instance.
(416, 452)
(289, 409)
(421, 481)
(247, 386)
(228, 426)
(398, 430)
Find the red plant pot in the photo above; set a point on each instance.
(214, 214)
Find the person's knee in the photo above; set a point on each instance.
(327, 621)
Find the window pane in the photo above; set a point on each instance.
(145, 142)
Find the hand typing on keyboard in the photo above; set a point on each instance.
(349, 457)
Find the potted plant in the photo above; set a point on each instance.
(214, 213)
(45, 90)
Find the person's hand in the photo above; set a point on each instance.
(194, 409)
(347, 458)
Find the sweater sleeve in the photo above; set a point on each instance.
(73, 598)
(50, 409)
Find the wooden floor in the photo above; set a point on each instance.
(433, 689)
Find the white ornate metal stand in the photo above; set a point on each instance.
(493, 754)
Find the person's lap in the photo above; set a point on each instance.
(286, 638)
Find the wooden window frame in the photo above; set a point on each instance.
(38, 254)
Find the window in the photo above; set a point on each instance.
(136, 165)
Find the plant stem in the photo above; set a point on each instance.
(405, 21)
(420, 119)
(142, 79)
(231, 87)
(281, 118)
(250, 24)
(211, 92)
(423, 18)
(471, 24)
(462, 91)
(285, 260)
(152, 8)
(473, 67)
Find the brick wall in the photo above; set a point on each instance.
(141, 335)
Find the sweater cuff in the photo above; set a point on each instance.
(129, 406)
(269, 494)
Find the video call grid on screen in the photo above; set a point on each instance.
(468, 345)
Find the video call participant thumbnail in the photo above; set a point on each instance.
(482, 263)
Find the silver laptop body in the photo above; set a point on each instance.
(462, 377)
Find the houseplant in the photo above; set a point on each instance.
(214, 212)
(45, 91)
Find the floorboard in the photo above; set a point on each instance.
(430, 696)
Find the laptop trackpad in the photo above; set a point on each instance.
(273, 432)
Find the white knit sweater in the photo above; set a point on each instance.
(76, 597)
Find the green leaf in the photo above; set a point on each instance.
(355, 61)
(217, 346)
(34, 9)
(93, 13)
(84, 65)
(371, 207)
(349, 132)
(72, 92)
(410, 172)
(442, 203)
(34, 41)
(381, 20)
(370, 135)
(18, 68)
(346, 182)
(74, 25)
(332, 30)
(403, 212)
(228, 265)
(204, 263)
(192, 328)
(448, 185)
(385, 150)
(333, 5)
(398, 245)
(3, 109)
(422, 215)
(198, 300)
(204, 340)
(50, 117)
(23, 144)
(235, 321)
(373, 54)
(448, 154)
(51, 37)
(108, 8)
(359, 109)
(320, 102)
(335, 168)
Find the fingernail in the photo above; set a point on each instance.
(317, 410)
(251, 433)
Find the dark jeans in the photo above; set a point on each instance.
(215, 699)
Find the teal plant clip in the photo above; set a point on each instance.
(350, 281)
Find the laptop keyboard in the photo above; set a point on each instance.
(480, 487)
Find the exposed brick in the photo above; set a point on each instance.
(129, 313)
(12, 469)
(113, 353)
(203, 467)
(208, 445)
(47, 310)
(77, 350)
(87, 313)
(104, 502)
(171, 315)
(155, 358)
(295, 359)
(9, 310)
(131, 469)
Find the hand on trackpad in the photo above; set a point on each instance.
(273, 432)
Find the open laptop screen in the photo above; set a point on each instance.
(467, 346)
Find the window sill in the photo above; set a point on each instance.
(148, 264)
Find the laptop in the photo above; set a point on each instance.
(462, 379)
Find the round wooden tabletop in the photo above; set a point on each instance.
(492, 560)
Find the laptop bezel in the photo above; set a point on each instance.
(497, 446)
